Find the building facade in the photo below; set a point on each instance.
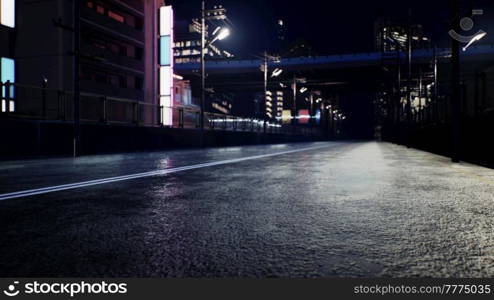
(392, 34)
(121, 49)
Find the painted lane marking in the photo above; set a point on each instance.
(70, 186)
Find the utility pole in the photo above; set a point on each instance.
(435, 104)
(311, 110)
(294, 107)
(265, 69)
(77, 88)
(409, 85)
(218, 13)
(203, 70)
(397, 102)
(455, 83)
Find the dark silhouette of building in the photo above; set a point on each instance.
(390, 32)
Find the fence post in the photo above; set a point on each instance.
(181, 117)
(135, 109)
(161, 115)
(43, 99)
(60, 110)
(103, 107)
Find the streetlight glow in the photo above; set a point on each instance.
(277, 72)
(224, 33)
(476, 38)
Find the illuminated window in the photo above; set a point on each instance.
(116, 17)
(7, 73)
(7, 13)
(100, 9)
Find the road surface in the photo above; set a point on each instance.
(335, 209)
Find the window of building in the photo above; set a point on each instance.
(139, 53)
(139, 83)
(115, 16)
(7, 73)
(139, 23)
(7, 13)
(100, 9)
(122, 80)
(123, 50)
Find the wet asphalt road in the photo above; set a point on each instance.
(348, 209)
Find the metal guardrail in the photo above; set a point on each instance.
(38, 103)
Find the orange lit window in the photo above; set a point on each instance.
(116, 17)
(100, 9)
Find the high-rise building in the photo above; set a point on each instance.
(391, 33)
(187, 47)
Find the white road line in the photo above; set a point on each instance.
(58, 188)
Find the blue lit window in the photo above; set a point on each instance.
(7, 73)
(165, 51)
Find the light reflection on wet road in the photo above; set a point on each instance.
(348, 209)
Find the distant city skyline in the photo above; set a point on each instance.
(329, 27)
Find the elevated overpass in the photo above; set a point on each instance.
(333, 62)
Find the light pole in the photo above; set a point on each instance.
(265, 69)
(203, 69)
(77, 87)
(276, 72)
(294, 104)
(409, 85)
(215, 14)
(455, 84)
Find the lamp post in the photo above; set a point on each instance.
(215, 14)
(265, 69)
(455, 84)
(409, 79)
(203, 69)
(77, 91)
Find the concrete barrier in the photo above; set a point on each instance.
(32, 138)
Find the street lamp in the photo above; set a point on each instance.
(277, 72)
(223, 34)
(474, 39)
(216, 14)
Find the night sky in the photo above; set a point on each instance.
(330, 27)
